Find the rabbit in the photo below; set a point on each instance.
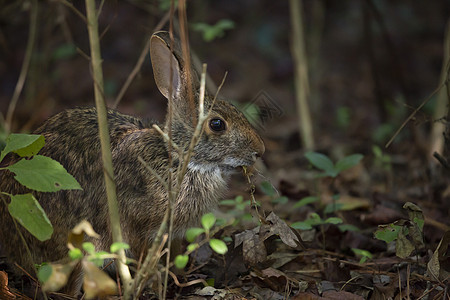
(228, 142)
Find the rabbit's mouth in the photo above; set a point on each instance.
(232, 165)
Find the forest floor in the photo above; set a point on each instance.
(376, 229)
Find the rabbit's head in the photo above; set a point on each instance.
(228, 141)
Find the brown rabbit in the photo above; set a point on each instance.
(228, 142)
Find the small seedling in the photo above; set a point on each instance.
(208, 221)
(211, 32)
(408, 234)
(324, 163)
(314, 220)
(364, 254)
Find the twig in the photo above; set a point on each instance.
(105, 142)
(442, 160)
(25, 66)
(198, 129)
(153, 172)
(74, 9)
(195, 281)
(414, 113)
(167, 138)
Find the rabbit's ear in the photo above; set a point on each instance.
(164, 62)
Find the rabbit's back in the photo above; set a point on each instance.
(72, 139)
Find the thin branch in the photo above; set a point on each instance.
(153, 172)
(198, 130)
(105, 142)
(167, 138)
(25, 66)
(415, 112)
(74, 9)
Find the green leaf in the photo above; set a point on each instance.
(301, 226)
(75, 253)
(267, 188)
(208, 221)
(65, 51)
(29, 213)
(227, 239)
(44, 273)
(25, 145)
(321, 162)
(387, 233)
(89, 247)
(333, 220)
(228, 202)
(192, 247)
(280, 200)
(181, 261)
(239, 199)
(119, 246)
(348, 162)
(210, 281)
(210, 32)
(43, 174)
(192, 233)
(348, 227)
(306, 201)
(361, 252)
(332, 207)
(218, 246)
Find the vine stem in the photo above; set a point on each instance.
(108, 171)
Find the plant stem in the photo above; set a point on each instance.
(108, 170)
(438, 127)
(301, 74)
(25, 66)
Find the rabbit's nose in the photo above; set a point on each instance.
(260, 149)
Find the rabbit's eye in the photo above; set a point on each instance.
(217, 125)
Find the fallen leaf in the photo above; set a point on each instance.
(275, 279)
(280, 228)
(403, 246)
(306, 296)
(440, 258)
(253, 248)
(341, 295)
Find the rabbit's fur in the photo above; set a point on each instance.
(72, 139)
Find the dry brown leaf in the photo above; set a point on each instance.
(4, 289)
(341, 295)
(76, 236)
(306, 296)
(59, 276)
(280, 228)
(253, 248)
(440, 259)
(97, 283)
